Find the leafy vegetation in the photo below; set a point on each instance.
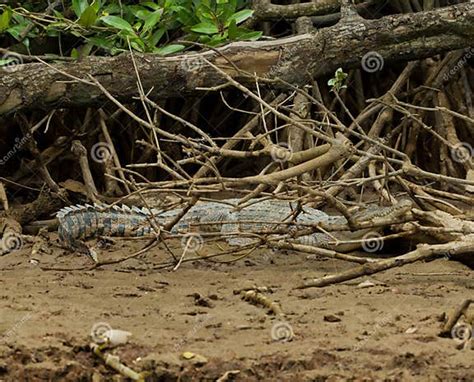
(111, 26)
(338, 81)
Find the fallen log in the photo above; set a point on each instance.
(296, 60)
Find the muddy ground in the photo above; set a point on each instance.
(386, 332)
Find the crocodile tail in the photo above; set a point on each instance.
(84, 221)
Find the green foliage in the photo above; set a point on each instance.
(338, 81)
(111, 27)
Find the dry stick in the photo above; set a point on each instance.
(81, 153)
(467, 92)
(141, 91)
(154, 223)
(258, 298)
(160, 154)
(47, 156)
(434, 80)
(305, 155)
(248, 127)
(449, 195)
(442, 204)
(450, 127)
(112, 186)
(340, 149)
(332, 201)
(48, 11)
(284, 117)
(338, 124)
(423, 252)
(321, 252)
(301, 105)
(186, 142)
(159, 164)
(260, 187)
(362, 163)
(400, 107)
(114, 362)
(411, 169)
(110, 143)
(348, 245)
(453, 319)
(33, 147)
(3, 197)
(440, 108)
(379, 188)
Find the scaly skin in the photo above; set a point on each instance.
(78, 223)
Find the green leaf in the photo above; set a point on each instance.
(151, 5)
(88, 17)
(185, 17)
(152, 20)
(58, 14)
(228, 10)
(6, 61)
(156, 37)
(137, 46)
(96, 4)
(16, 30)
(233, 30)
(101, 42)
(205, 28)
(75, 53)
(82, 51)
(218, 39)
(79, 6)
(240, 16)
(111, 9)
(139, 12)
(169, 49)
(117, 22)
(250, 36)
(5, 19)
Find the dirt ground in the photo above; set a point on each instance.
(385, 332)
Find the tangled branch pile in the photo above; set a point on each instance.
(254, 123)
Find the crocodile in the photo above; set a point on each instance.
(81, 222)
